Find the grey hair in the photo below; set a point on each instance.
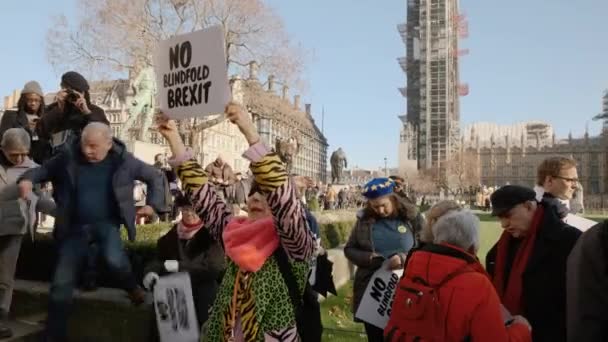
(98, 127)
(15, 138)
(458, 228)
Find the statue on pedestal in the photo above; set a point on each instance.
(144, 86)
(287, 149)
(338, 164)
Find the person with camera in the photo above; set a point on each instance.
(30, 108)
(71, 111)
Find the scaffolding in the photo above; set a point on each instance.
(431, 35)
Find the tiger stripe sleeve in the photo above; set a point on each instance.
(208, 205)
(271, 175)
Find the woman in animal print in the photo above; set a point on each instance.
(253, 302)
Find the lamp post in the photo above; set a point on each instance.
(386, 166)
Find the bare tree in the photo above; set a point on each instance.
(462, 172)
(423, 183)
(110, 36)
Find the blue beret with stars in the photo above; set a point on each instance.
(378, 187)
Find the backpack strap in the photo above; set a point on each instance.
(288, 277)
(460, 271)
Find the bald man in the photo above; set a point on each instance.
(93, 184)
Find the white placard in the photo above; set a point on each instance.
(375, 306)
(192, 74)
(174, 307)
(579, 222)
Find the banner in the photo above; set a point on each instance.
(192, 74)
(174, 307)
(377, 301)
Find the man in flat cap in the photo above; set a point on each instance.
(72, 110)
(528, 263)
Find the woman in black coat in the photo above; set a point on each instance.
(188, 247)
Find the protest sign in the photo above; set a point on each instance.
(192, 74)
(579, 222)
(375, 306)
(174, 307)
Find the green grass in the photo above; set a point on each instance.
(337, 318)
(489, 233)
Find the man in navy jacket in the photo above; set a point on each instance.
(93, 183)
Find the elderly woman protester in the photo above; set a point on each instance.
(448, 271)
(384, 233)
(18, 217)
(189, 247)
(269, 252)
(433, 214)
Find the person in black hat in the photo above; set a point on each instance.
(528, 263)
(71, 111)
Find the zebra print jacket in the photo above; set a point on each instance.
(264, 307)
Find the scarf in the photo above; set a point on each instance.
(511, 295)
(187, 231)
(250, 243)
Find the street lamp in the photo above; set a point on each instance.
(386, 166)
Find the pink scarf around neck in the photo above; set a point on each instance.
(250, 243)
(187, 231)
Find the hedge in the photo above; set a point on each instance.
(37, 259)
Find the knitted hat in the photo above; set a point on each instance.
(32, 87)
(75, 81)
(378, 187)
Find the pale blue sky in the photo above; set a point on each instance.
(529, 59)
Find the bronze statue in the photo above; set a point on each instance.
(338, 164)
(287, 149)
(142, 104)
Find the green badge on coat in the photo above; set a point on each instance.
(402, 229)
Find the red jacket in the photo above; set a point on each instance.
(469, 301)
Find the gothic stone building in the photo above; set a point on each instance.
(276, 118)
(504, 162)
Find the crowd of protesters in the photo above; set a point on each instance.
(248, 240)
(543, 280)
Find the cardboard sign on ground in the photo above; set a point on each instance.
(174, 307)
(192, 74)
(375, 306)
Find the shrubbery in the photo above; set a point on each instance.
(37, 259)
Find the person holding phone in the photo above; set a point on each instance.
(72, 110)
(386, 229)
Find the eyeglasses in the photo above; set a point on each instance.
(571, 180)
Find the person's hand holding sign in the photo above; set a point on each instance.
(168, 129)
(238, 116)
(395, 263)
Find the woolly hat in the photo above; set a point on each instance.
(378, 187)
(75, 81)
(32, 87)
